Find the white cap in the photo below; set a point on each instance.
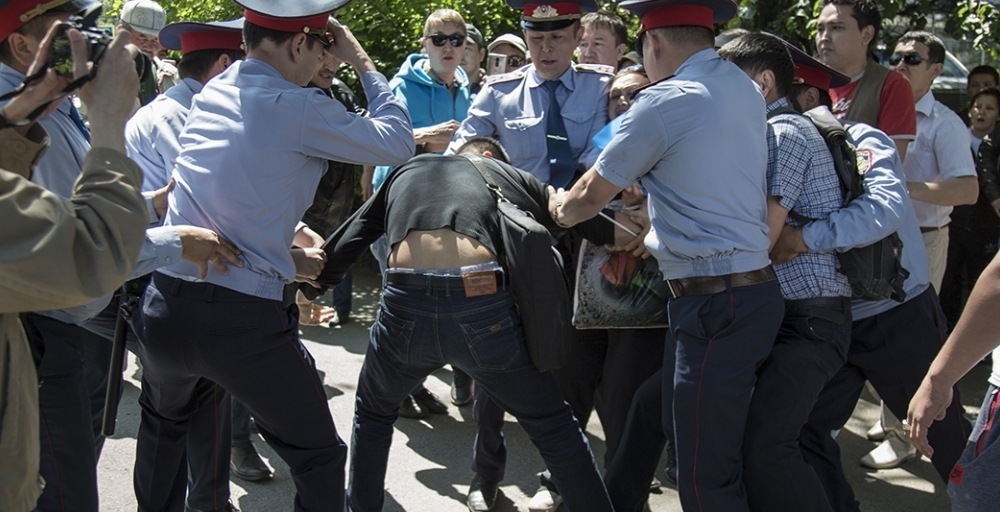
(144, 16)
(510, 39)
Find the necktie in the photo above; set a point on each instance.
(74, 114)
(561, 164)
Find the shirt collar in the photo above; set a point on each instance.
(535, 80)
(778, 103)
(926, 103)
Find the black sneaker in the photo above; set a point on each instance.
(429, 402)
(410, 409)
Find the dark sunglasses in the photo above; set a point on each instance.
(322, 38)
(513, 61)
(439, 40)
(910, 59)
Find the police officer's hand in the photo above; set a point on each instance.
(640, 217)
(111, 97)
(203, 247)
(311, 313)
(347, 48)
(309, 262)
(160, 198)
(631, 240)
(789, 245)
(306, 237)
(436, 136)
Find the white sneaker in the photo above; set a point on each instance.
(876, 433)
(891, 453)
(545, 500)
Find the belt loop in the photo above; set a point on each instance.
(728, 279)
(428, 284)
(385, 279)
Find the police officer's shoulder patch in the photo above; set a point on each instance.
(594, 68)
(505, 77)
(864, 159)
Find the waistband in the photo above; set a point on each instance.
(710, 285)
(482, 279)
(208, 292)
(831, 308)
(927, 229)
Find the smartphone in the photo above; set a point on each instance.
(496, 64)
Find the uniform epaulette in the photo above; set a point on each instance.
(505, 77)
(595, 68)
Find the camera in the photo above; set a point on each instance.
(96, 39)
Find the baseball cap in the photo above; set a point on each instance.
(145, 16)
(473, 33)
(511, 39)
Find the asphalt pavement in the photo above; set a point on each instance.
(429, 465)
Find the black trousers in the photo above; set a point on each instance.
(892, 350)
(70, 373)
(190, 332)
(970, 249)
(208, 446)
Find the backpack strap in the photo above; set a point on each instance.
(867, 100)
(477, 162)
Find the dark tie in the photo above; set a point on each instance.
(74, 114)
(561, 164)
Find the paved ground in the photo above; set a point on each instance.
(429, 462)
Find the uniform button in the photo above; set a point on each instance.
(19, 146)
(168, 259)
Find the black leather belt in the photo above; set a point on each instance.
(710, 285)
(437, 282)
(932, 229)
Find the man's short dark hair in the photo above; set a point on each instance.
(197, 64)
(935, 47)
(986, 69)
(254, 35)
(866, 13)
(757, 52)
(480, 145)
(34, 28)
(607, 20)
(824, 96)
(687, 34)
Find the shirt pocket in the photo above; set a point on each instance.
(526, 137)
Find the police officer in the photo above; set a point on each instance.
(253, 149)
(546, 115)
(151, 139)
(892, 343)
(707, 207)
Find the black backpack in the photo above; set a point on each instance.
(874, 271)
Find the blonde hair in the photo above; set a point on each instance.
(445, 17)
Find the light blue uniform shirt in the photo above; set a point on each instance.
(151, 135)
(698, 143)
(883, 207)
(253, 150)
(511, 107)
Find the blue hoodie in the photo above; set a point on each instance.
(429, 102)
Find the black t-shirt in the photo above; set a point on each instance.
(433, 192)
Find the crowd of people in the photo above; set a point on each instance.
(195, 210)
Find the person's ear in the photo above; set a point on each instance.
(22, 49)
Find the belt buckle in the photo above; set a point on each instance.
(678, 291)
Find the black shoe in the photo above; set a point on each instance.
(671, 471)
(482, 494)
(228, 508)
(246, 463)
(429, 402)
(410, 409)
(461, 388)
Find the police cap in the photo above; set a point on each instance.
(291, 16)
(14, 14)
(548, 16)
(676, 13)
(191, 36)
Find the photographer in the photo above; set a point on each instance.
(92, 238)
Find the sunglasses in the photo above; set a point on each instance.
(513, 61)
(322, 38)
(910, 59)
(439, 40)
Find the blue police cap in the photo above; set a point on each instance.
(676, 13)
(189, 36)
(547, 16)
(290, 16)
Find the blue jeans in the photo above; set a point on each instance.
(421, 328)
